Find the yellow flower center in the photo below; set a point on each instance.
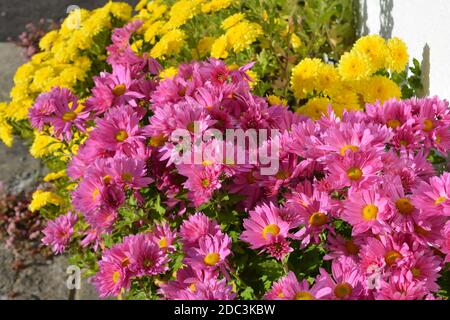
(280, 295)
(107, 179)
(116, 276)
(428, 125)
(121, 136)
(157, 141)
(163, 243)
(69, 116)
(207, 163)
(404, 206)
(343, 290)
(354, 174)
(282, 175)
(205, 183)
(271, 229)
(351, 247)
(416, 272)
(211, 259)
(394, 123)
(125, 262)
(318, 219)
(192, 287)
(191, 127)
(438, 139)
(348, 147)
(128, 177)
(119, 90)
(370, 212)
(303, 295)
(391, 257)
(95, 194)
(440, 200)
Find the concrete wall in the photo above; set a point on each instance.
(424, 25)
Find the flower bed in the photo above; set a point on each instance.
(258, 172)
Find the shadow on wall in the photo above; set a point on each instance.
(386, 18)
(363, 16)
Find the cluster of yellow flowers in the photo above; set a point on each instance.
(65, 60)
(164, 28)
(42, 198)
(355, 81)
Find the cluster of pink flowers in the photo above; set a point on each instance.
(367, 169)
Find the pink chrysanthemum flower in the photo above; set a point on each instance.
(146, 257)
(58, 232)
(210, 289)
(112, 90)
(404, 212)
(129, 172)
(201, 182)
(119, 131)
(383, 256)
(43, 107)
(445, 243)
(58, 108)
(313, 210)
(264, 226)
(366, 210)
(424, 266)
(187, 280)
(289, 288)
(338, 247)
(395, 290)
(357, 169)
(433, 198)
(211, 253)
(114, 275)
(164, 237)
(195, 227)
(345, 280)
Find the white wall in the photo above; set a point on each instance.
(422, 24)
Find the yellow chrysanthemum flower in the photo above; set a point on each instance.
(168, 73)
(380, 88)
(304, 75)
(231, 21)
(327, 78)
(170, 44)
(42, 198)
(219, 49)
(276, 101)
(204, 46)
(52, 176)
(44, 145)
(374, 46)
(315, 108)
(216, 5)
(355, 66)
(398, 55)
(242, 35)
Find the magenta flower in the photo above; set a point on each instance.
(433, 198)
(119, 131)
(58, 108)
(366, 210)
(264, 227)
(195, 227)
(289, 288)
(129, 172)
(145, 256)
(58, 232)
(112, 90)
(211, 253)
